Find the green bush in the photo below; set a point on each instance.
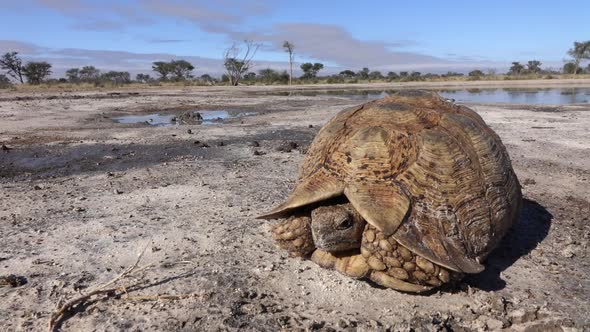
(4, 82)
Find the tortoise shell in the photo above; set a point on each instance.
(428, 172)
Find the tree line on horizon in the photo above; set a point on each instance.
(238, 62)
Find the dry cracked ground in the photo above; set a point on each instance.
(81, 196)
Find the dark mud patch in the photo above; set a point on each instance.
(94, 96)
(72, 159)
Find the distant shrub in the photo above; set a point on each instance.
(37, 72)
(4, 82)
(116, 77)
(335, 79)
(476, 73)
(392, 76)
(570, 67)
(143, 78)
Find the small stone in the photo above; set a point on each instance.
(254, 308)
(489, 323)
(259, 153)
(287, 147)
(254, 144)
(523, 315)
(118, 192)
(568, 252)
(498, 304)
(188, 131)
(12, 281)
(529, 181)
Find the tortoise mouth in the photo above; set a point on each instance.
(337, 245)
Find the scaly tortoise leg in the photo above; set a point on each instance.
(354, 266)
(397, 267)
(294, 235)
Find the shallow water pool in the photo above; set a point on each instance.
(166, 119)
(550, 96)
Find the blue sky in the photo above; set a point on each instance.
(434, 36)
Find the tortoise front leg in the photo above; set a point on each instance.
(354, 266)
(294, 235)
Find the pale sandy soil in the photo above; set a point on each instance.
(81, 196)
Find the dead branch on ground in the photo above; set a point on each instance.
(110, 290)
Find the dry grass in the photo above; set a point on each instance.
(86, 87)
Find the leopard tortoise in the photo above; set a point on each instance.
(410, 191)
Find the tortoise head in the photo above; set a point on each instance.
(337, 228)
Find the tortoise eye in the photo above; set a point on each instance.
(344, 224)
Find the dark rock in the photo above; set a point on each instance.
(287, 147)
(529, 181)
(189, 117)
(12, 280)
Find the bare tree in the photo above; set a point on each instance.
(13, 65)
(534, 66)
(237, 60)
(516, 69)
(580, 52)
(290, 48)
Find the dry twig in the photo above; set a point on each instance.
(102, 289)
(163, 297)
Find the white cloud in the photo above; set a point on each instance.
(330, 44)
